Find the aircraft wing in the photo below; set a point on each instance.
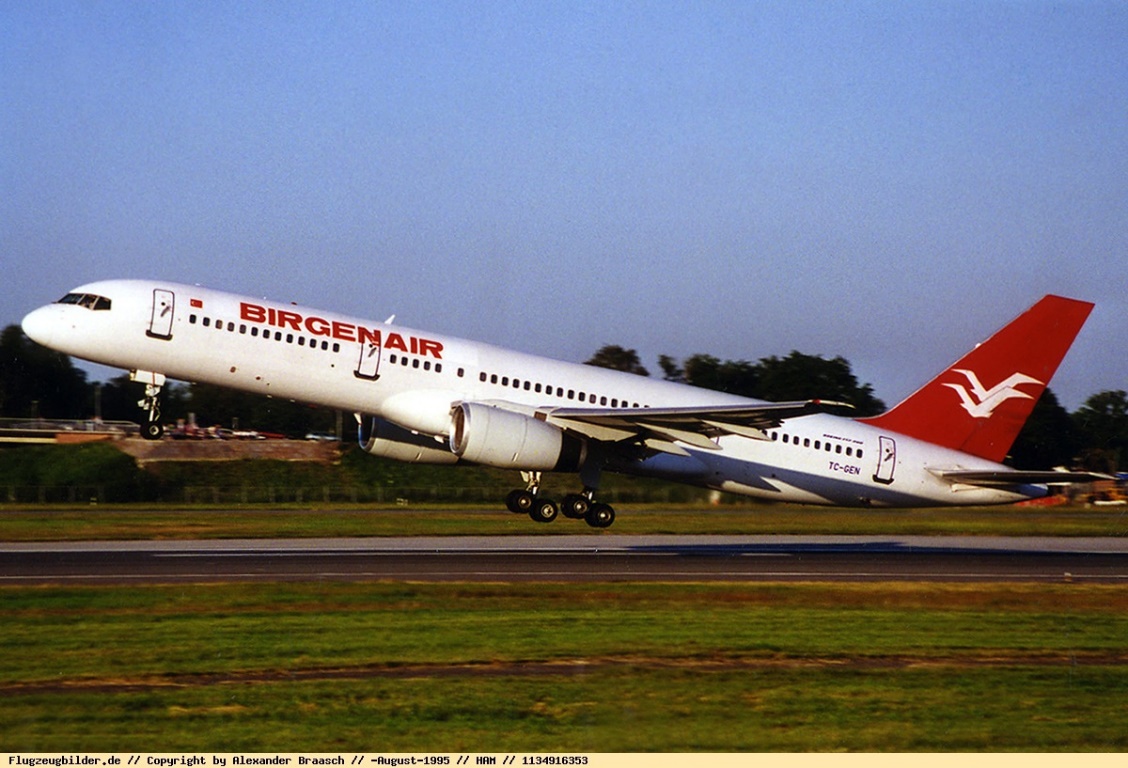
(996, 478)
(662, 429)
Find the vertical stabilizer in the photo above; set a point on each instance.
(980, 403)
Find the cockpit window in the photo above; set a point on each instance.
(88, 300)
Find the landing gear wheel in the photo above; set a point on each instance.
(152, 430)
(575, 506)
(543, 511)
(520, 501)
(600, 516)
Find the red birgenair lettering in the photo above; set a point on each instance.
(319, 326)
(431, 347)
(252, 313)
(344, 331)
(368, 336)
(287, 319)
(395, 341)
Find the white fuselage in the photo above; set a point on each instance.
(413, 378)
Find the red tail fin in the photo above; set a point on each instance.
(980, 403)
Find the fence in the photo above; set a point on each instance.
(325, 494)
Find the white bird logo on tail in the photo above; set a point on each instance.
(981, 402)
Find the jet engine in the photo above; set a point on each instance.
(381, 437)
(496, 437)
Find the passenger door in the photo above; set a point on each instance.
(161, 317)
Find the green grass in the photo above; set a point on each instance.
(162, 522)
(624, 667)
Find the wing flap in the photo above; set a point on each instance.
(663, 429)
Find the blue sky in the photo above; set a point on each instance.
(885, 181)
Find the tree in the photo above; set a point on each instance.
(811, 377)
(38, 382)
(671, 371)
(737, 377)
(795, 377)
(1048, 439)
(618, 359)
(1103, 423)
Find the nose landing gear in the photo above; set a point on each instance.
(151, 403)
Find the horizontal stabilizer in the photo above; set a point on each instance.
(997, 478)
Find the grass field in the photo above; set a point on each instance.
(560, 667)
(625, 667)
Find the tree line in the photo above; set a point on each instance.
(36, 382)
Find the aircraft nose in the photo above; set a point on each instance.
(40, 325)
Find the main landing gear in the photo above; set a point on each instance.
(577, 506)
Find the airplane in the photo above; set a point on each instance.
(432, 398)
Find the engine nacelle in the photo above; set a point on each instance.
(496, 437)
(426, 411)
(381, 437)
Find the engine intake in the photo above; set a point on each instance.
(496, 437)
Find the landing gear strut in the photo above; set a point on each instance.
(151, 403)
(577, 506)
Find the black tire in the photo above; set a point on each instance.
(544, 511)
(575, 506)
(520, 501)
(152, 430)
(600, 516)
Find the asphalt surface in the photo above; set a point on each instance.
(571, 558)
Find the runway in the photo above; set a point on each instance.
(569, 558)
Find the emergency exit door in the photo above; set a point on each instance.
(886, 460)
(368, 367)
